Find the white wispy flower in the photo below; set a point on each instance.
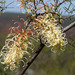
(16, 48)
(51, 32)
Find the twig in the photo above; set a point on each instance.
(40, 49)
(56, 2)
(35, 7)
(6, 6)
(59, 4)
(44, 5)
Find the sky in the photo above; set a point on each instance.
(12, 7)
(15, 8)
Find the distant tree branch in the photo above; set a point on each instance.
(40, 49)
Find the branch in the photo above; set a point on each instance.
(32, 59)
(69, 27)
(40, 49)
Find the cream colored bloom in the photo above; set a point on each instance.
(16, 49)
(51, 32)
(13, 57)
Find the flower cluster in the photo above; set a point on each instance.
(30, 6)
(16, 47)
(45, 27)
(51, 32)
(19, 40)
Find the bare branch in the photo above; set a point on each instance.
(69, 27)
(40, 49)
(32, 59)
